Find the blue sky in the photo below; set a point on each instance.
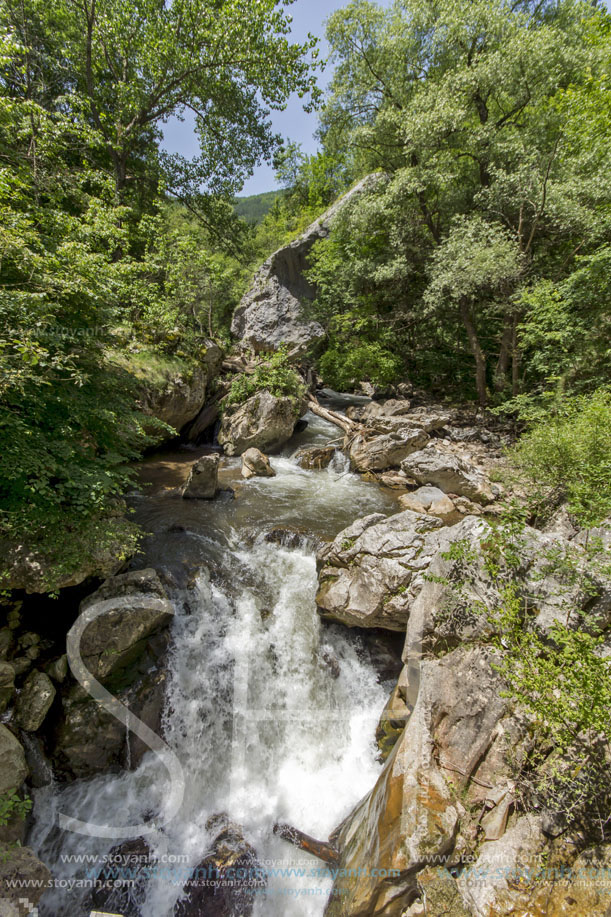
(294, 122)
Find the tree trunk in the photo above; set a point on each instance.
(515, 358)
(478, 354)
(344, 423)
(324, 851)
(502, 365)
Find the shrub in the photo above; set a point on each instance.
(274, 374)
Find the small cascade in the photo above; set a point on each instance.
(271, 712)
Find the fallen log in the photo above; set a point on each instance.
(344, 423)
(320, 849)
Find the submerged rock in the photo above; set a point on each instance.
(225, 883)
(122, 884)
(315, 458)
(264, 422)
(256, 464)
(202, 483)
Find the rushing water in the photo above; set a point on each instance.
(271, 712)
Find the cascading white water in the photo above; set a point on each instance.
(271, 712)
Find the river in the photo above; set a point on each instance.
(271, 712)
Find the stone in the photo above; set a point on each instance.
(19, 864)
(431, 500)
(58, 669)
(202, 483)
(448, 472)
(181, 398)
(369, 573)
(34, 701)
(126, 898)
(385, 451)
(13, 767)
(225, 883)
(7, 684)
(6, 641)
(137, 608)
(263, 422)
(315, 458)
(256, 464)
(270, 314)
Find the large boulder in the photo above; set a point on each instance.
(448, 472)
(264, 422)
(315, 458)
(202, 482)
(181, 397)
(34, 701)
(386, 451)
(256, 464)
(136, 607)
(369, 573)
(431, 500)
(271, 313)
(13, 767)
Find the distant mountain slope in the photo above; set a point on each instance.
(254, 208)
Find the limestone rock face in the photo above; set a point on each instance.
(13, 767)
(369, 573)
(448, 472)
(264, 422)
(183, 396)
(386, 451)
(202, 482)
(271, 312)
(256, 464)
(34, 701)
(412, 816)
(138, 608)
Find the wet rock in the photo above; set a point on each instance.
(394, 717)
(431, 500)
(270, 314)
(6, 642)
(386, 451)
(34, 701)
(256, 464)
(264, 422)
(411, 818)
(315, 458)
(369, 573)
(448, 472)
(58, 669)
(7, 684)
(125, 895)
(202, 483)
(21, 865)
(225, 883)
(89, 740)
(13, 767)
(137, 609)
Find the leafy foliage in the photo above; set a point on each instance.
(273, 374)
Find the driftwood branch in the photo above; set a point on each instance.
(320, 849)
(344, 423)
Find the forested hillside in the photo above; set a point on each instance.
(479, 268)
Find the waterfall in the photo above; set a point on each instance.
(271, 712)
